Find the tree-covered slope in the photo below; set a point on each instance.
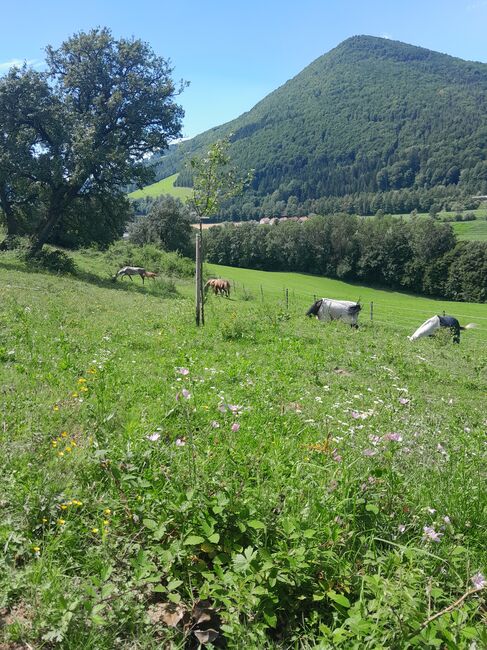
(370, 115)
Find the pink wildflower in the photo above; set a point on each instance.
(479, 581)
(154, 436)
(394, 437)
(369, 452)
(431, 534)
(180, 442)
(235, 427)
(182, 371)
(403, 401)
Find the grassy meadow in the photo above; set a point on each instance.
(267, 481)
(164, 186)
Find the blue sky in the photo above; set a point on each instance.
(234, 53)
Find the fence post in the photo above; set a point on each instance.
(198, 282)
(262, 293)
(371, 310)
(444, 313)
(287, 298)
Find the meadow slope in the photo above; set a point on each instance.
(266, 481)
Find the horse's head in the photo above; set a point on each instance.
(314, 309)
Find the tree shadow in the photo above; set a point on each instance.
(88, 277)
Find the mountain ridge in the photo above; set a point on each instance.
(370, 115)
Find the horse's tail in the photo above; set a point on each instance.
(208, 285)
(313, 310)
(470, 326)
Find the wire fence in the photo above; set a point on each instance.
(370, 309)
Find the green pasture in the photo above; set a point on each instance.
(265, 481)
(471, 230)
(164, 186)
(401, 312)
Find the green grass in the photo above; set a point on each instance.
(306, 526)
(164, 186)
(471, 230)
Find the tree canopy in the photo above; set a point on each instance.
(73, 137)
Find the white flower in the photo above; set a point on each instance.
(479, 581)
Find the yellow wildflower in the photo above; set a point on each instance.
(106, 522)
(74, 394)
(44, 520)
(61, 522)
(107, 511)
(94, 530)
(54, 443)
(84, 389)
(55, 407)
(60, 454)
(68, 450)
(73, 443)
(36, 549)
(81, 380)
(64, 506)
(64, 434)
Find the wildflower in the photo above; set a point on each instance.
(64, 434)
(431, 534)
(369, 452)
(318, 399)
(44, 520)
(84, 389)
(74, 394)
(182, 371)
(447, 520)
(215, 424)
(55, 407)
(60, 454)
(180, 442)
(478, 581)
(359, 416)
(73, 443)
(106, 522)
(63, 506)
(336, 456)
(107, 511)
(54, 443)
(36, 549)
(401, 528)
(81, 380)
(154, 436)
(61, 522)
(68, 450)
(431, 510)
(403, 401)
(94, 530)
(395, 437)
(235, 427)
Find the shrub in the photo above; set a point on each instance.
(52, 260)
(149, 256)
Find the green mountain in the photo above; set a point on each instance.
(372, 115)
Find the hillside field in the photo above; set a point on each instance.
(164, 186)
(267, 481)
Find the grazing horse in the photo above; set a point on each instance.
(150, 274)
(327, 309)
(433, 324)
(130, 271)
(218, 286)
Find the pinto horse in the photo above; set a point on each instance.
(327, 309)
(433, 324)
(130, 271)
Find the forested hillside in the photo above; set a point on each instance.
(371, 116)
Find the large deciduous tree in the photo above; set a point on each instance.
(74, 136)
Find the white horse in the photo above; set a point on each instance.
(433, 324)
(327, 309)
(130, 271)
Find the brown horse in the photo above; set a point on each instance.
(150, 274)
(219, 286)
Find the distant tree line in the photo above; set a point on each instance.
(415, 254)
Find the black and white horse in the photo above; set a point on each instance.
(433, 324)
(130, 271)
(327, 309)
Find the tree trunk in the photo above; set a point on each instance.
(12, 223)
